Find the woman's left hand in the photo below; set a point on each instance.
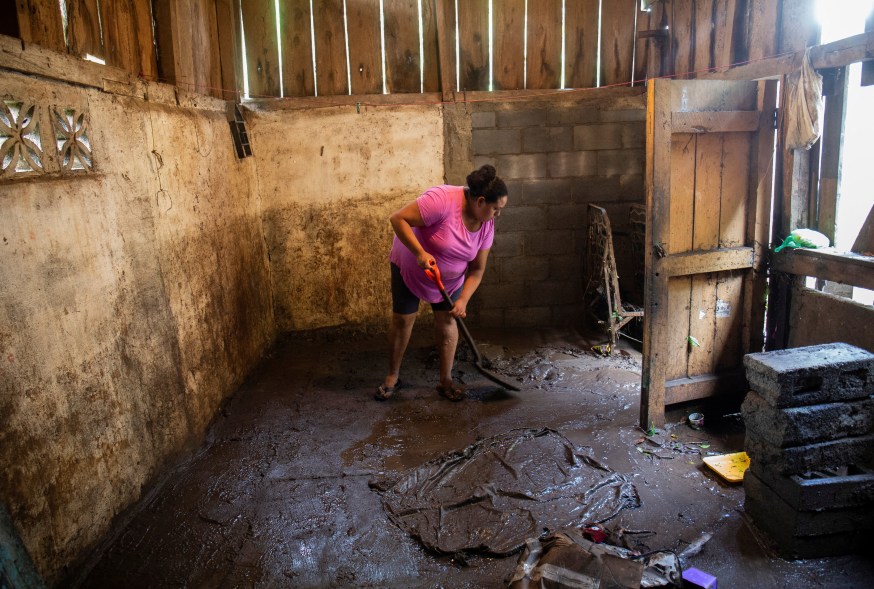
(459, 309)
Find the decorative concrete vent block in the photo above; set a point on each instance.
(810, 438)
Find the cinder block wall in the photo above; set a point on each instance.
(556, 155)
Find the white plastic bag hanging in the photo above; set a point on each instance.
(804, 110)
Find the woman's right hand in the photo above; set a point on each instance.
(425, 260)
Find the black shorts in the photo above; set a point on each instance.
(405, 302)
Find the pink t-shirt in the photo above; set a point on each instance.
(445, 237)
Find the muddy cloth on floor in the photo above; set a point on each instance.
(567, 560)
(491, 496)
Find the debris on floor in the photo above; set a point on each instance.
(493, 495)
(566, 559)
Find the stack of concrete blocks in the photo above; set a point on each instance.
(809, 425)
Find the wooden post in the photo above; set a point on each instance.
(830, 174)
(446, 49)
(39, 22)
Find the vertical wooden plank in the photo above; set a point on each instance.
(230, 51)
(164, 13)
(868, 66)
(581, 43)
(127, 28)
(544, 45)
(207, 56)
(262, 48)
(365, 46)
(430, 57)
(798, 26)
(445, 14)
(402, 60)
(832, 135)
(617, 41)
(704, 12)
(759, 219)
(763, 29)
(734, 210)
(683, 36)
(83, 28)
(509, 46)
(330, 48)
(39, 21)
(295, 37)
(724, 20)
(705, 236)
(473, 33)
(658, 231)
(680, 207)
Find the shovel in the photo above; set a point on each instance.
(434, 274)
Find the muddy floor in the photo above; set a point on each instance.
(278, 494)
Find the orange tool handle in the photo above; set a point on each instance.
(434, 274)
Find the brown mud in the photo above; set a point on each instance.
(278, 494)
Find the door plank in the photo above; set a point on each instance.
(39, 22)
(262, 48)
(705, 236)
(658, 188)
(700, 387)
(430, 58)
(682, 45)
(715, 122)
(83, 28)
(716, 260)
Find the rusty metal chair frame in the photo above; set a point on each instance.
(637, 234)
(603, 279)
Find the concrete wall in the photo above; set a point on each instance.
(329, 179)
(821, 318)
(557, 155)
(132, 301)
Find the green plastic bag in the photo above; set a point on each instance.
(804, 238)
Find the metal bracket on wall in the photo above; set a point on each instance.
(238, 131)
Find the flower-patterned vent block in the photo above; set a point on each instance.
(21, 152)
(71, 135)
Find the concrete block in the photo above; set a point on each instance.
(599, 190)
(529, 316)
(811, 375)
(805, 523)
(633, 135)
(481, 160)
(501, 296)
(620, 162)
(508, 244)
(568, 267)
(572, 163)
(521, 218)
(549, 243)
(549, 191)
(570, 216)
(801, 459)
(817, 492)
(483, 120)
(525, 117)
(632, 187)
(530, 165)
(601, 136)
(496, 141)
(568, 315)
(487, 317)
(546, 139)
(793, 546)
(565, 115)
(515, 191)
(615, 116)
(794, 426)
(524, 269)
(550, 292)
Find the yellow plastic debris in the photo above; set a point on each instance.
(730, 467)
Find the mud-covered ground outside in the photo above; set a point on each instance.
(278, 494)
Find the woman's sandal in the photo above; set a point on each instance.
(453, 394)
(384, 393)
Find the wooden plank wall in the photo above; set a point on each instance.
(360, 50)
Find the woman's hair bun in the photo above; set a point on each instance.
(485, 182)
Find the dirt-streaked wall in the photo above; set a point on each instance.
(329, 179)
(821, 318)
(132, 300)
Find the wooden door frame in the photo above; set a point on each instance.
(663, 120)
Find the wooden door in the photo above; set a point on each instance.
(708, 191)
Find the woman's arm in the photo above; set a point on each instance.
(402, 221)
(475, 271)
